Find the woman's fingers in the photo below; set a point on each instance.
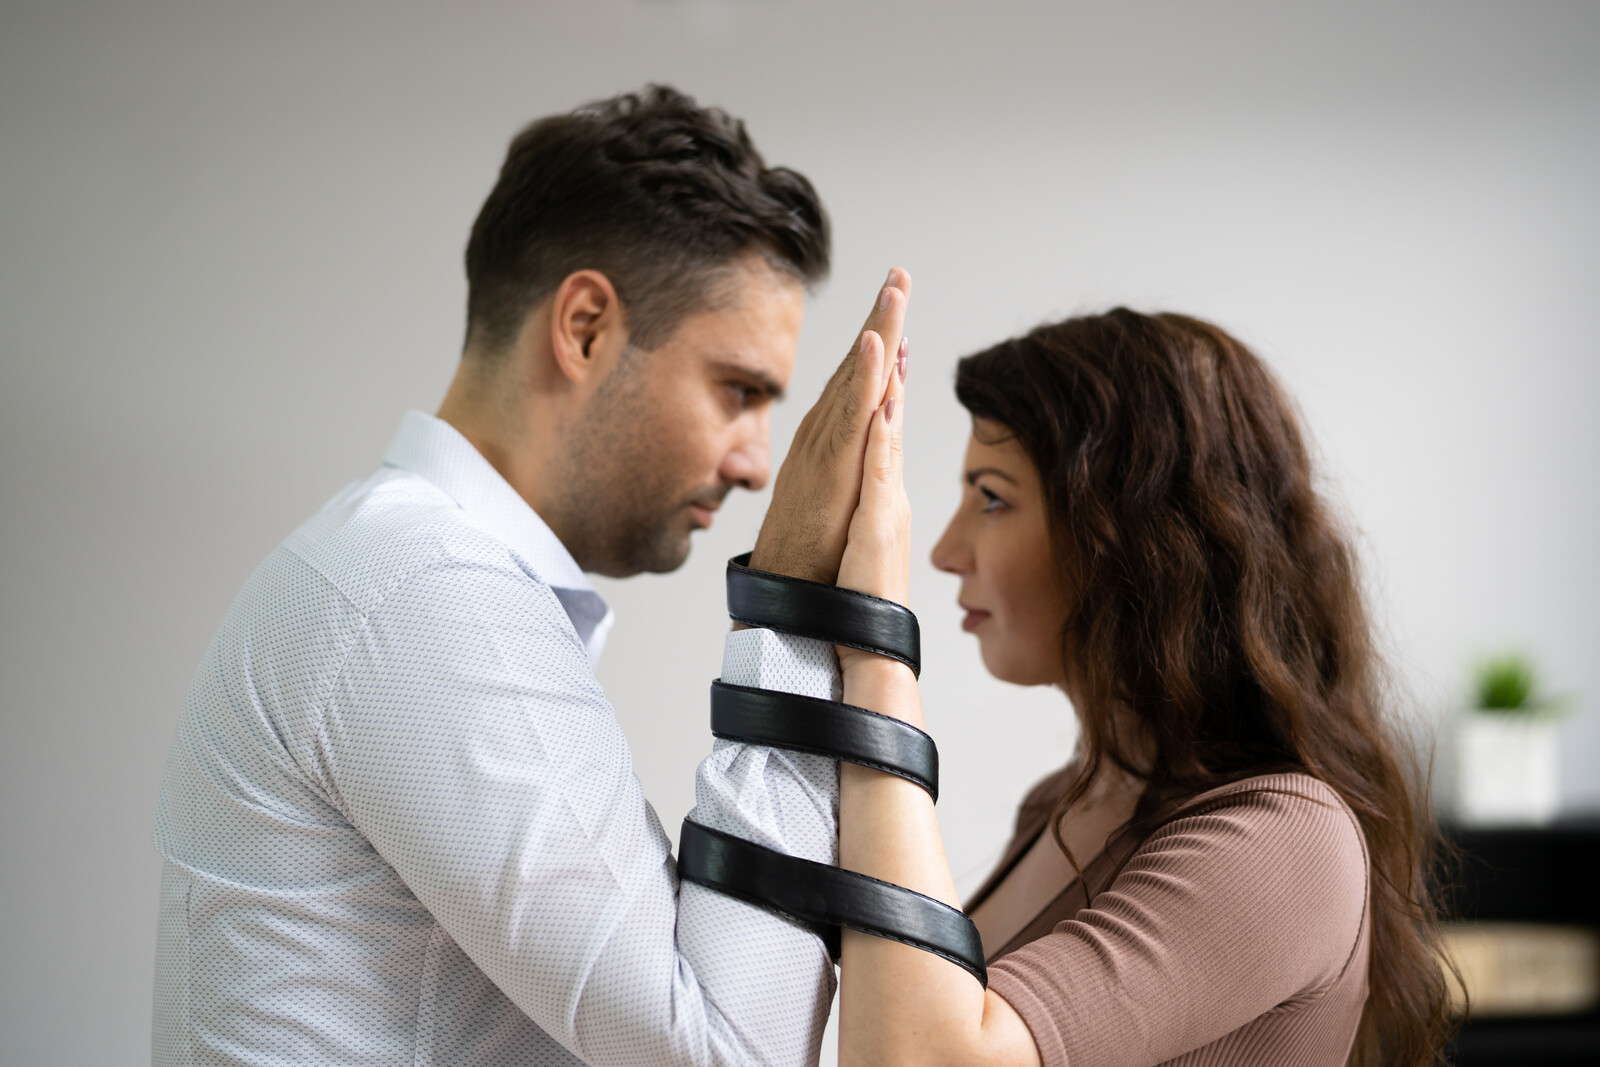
(877, 559)
(885, 461)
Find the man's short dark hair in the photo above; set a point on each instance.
(653, 191)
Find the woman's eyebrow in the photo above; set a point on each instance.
(975, 473)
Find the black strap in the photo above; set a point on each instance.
(827, 728)
(826, 612)
(826, 898)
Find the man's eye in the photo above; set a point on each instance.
(745, 394)
(990, 501)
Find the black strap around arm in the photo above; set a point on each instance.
(826, 612)
(826, 898)
(818, 895)
(827, 728)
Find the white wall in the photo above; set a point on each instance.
(230, 238)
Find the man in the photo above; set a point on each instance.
(399, 821)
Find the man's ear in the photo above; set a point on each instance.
(587, 325)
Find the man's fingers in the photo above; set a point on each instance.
(874, 366)
(888, 315)
(819, 484)
(896, 290)
(885, 308)
(886, 319)
(856, 395)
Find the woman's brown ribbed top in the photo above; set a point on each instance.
(1236, 933)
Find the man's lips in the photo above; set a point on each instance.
(975, 617)
(703, 506)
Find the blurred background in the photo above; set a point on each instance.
(230, 258)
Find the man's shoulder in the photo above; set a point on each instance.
(376, 534)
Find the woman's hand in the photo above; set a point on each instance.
(819, 484)
(877, 553)
(899, 1004)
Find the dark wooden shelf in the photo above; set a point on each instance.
(1533, 875)
(1528, 874)
(1557, 1039)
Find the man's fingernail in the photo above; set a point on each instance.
(894, 273)
(888, 410)
(862, 347)
(883, 298)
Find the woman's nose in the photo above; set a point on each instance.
(952, 554)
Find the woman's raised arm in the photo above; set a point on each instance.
(898, 1004)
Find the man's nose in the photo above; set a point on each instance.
(749, 463)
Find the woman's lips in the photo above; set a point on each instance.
(975, 618)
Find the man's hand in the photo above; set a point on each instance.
(817, 487)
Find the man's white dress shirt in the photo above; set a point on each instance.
(400, 824)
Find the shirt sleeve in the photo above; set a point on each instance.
(785, 800)
(477, 753)
(1218, 918)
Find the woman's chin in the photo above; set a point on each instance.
(1003, 663)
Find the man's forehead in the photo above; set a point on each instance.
(756, 332)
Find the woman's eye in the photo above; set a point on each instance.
(990, 501)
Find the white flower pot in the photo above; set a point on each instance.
(1506, 768)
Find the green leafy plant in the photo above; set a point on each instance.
(1505, 683)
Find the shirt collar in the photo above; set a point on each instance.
(435, 450)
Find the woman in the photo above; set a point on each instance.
(1234, 868)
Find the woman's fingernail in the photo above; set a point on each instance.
(905, 350)
(902, 370)
(888, 410)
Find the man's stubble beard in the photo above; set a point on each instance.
(624, 509)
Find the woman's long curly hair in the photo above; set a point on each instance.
(1212, 591)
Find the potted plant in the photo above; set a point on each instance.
(1506, 753)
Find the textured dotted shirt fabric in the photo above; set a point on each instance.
(400, 824)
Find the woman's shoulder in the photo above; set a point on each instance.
(1289, 832)
(1297, 790)
(1277, 853)
(1290, 805)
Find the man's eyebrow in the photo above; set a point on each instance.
(975, 473)
(765, 382)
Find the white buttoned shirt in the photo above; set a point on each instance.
(400, 824)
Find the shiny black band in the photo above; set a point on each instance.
(826, 898)
(827, 728)
(826, 612)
